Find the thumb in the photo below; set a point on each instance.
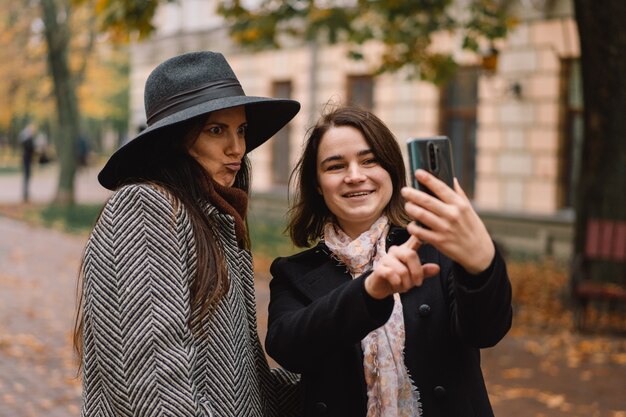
(430, 269)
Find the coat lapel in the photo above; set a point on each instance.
(323, 279)
(330, 274)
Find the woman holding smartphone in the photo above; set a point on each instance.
(377, 323)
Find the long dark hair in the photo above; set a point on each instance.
(309, 212)
(170, 167)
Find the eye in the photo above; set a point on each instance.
(370, 161)
(333, 167)
(241, 131)
(214, 130)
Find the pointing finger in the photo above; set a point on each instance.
(413, 243)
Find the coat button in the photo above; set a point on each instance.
(321, 408)
(424, 310)
(440, 392)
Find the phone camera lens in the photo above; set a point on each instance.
(432, 157)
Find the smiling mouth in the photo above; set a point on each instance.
(357, 194)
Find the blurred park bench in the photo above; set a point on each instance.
(605, 247)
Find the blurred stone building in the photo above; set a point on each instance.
(514, 114)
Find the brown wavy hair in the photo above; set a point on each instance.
(308, 213)
(170, 167)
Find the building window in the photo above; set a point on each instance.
(459, 99)
(280, 142)
(361, 91)
(571, 132)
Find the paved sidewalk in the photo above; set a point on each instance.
(38, 270)
(542, 375)
(527, 375)
(38, 277)
(43, 186)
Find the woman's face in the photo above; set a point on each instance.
(221, 145)
(355, 188)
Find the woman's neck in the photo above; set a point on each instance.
(354, 230)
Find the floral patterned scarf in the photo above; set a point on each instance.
(390, 392)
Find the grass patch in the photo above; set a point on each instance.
(76, 219)
(267, 238)
(266, 235)
(9, 169)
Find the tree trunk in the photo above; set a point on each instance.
(602, 184)
(57, 31)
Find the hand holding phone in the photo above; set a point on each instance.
(432, 154)
(459, 234)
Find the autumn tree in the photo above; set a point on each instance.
(405, 28)
(24, 86)
(53, 65)
(602, 180)
(56, 16)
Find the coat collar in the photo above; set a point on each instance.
(322, 272)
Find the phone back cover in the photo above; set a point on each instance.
(418, 157)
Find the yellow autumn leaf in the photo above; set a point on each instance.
(517, 373)
(619, 358)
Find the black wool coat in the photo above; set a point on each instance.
(318, 316)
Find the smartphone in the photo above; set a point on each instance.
(432, 154)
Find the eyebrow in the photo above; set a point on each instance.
(222, 124)
(340, 157)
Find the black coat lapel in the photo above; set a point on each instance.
(322, 280)
(318, 273)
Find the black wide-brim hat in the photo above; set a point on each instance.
(190, 85)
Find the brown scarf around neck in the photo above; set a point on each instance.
(232, 201)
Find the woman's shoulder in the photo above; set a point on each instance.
(139, 189)
(145, 206)
(152, 201)
(305, 257)
(142, 192)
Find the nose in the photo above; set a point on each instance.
(236, 144)
(354, 174)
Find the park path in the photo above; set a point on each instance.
(43, 185)
(556, 374)
(37, 286)
(38, 272)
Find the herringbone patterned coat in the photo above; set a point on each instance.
(140, 356)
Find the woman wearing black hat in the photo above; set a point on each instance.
(167, 321)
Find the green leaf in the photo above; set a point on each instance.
(405, 27)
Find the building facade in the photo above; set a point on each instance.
(515, 126)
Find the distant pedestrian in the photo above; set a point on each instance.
(42, 148)
(83, 151)
(27, 143)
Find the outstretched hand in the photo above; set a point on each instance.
(449, 223)
(399, 271)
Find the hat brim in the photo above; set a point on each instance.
(265, 117)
